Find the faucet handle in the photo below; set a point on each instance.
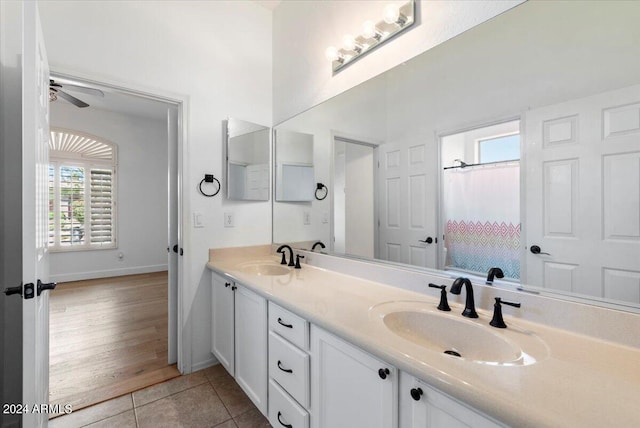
(444, 304)
(298, 257)
(284, 258)
(497, 320)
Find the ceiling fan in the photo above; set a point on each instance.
(55, 91)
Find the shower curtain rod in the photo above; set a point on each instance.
(466, 165)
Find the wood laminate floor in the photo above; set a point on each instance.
(108, 337)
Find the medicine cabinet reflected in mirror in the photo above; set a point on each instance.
(294, 166)
(247, 167)
(294, 203)
(564, 78)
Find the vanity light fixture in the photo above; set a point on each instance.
(396, 18)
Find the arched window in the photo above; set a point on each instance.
(82, 191)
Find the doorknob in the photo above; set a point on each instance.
(536, 250)
(429, 240)
(48, 286)
(13, 290)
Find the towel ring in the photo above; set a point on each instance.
(319, 188)
(209, 178)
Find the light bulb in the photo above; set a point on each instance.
(391, 13)
(332, 54)
(369, 30)
(349, 42)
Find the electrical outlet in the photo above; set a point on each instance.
(325, 217)
(306, 218)
(229, 220)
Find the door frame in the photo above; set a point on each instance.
(181, 102)
(340, 136)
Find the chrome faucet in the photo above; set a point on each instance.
(284, 258)
(319, 243)
(494, 272)
(469, 306)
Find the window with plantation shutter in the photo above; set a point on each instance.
(82, 191)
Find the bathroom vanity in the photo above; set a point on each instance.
(318, 348)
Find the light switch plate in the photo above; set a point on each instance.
(306, 218)
(198, 220)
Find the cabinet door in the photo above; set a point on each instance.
(222, 319)
(251, 346)
(429, 408)
(347, 388)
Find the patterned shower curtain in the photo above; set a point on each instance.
(482, 218)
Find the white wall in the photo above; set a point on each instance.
(141, 195)
(218, 55)
(302, 30)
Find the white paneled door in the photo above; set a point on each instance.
(407, 208)
(35, 209)
(583, 196)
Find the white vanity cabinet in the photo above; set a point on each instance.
(222, 321)
(239, 336)
(289, 381)
(422, 406)
(350, 388)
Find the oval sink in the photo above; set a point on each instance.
(419, 324)
(266, 269)
(452, 336)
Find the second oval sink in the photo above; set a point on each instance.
(448, 335)
(419, 326)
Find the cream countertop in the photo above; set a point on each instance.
(576, 381)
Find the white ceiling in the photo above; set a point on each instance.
(269, 4)
(115, 100)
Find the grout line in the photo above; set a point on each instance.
(135, 413)
(170, 395)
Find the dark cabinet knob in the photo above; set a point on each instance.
(383, 373)
(234, 288)
(227, 284)
(416, 393)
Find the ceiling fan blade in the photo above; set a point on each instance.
(73, 100)
(83, 89)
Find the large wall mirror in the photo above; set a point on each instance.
(247, 168)
(514, 145)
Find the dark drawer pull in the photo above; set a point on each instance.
(284, 370)
(283, 324)
(282, 423)
(383, 373)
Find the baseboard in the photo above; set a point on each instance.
(80, 276)
(204, 364)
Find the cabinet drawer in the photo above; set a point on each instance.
(289, 366)
(284, 411)
(290, 326)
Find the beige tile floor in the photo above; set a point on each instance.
(208, 398)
